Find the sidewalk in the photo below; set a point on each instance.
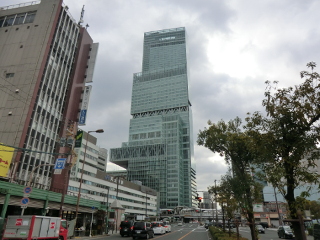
(100, 235)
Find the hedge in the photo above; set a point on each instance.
(218, 234)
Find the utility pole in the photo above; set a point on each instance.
(275, 196)
(67, 145)
(215, 198)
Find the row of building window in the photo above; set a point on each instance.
(94, 193)
(17, 19)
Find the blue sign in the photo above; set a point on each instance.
(82, 118)
(60, 163)
(24, 201)
(27, 190)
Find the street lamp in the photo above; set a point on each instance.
(150, 192)
(82, 170)
(107, 207)
(223, 205)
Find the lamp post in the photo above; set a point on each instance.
(146, 203)
(215, 198)
(150, 192)
(82, 170)
(223, 218)
(107, 208)
(91, 222)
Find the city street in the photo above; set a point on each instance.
(188, 231)
(191, 231)
(270, 234)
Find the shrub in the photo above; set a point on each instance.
(218, 234)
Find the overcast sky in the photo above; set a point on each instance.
(234, 47)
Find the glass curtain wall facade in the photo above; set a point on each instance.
(159, 152)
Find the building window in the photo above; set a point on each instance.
(9, 75)
(8, 21)
(30, 17)
(1, 21)
(17, 19)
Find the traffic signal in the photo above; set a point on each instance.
(196, 197)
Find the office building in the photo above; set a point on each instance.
(159, 152)
(101, 186)
(46, 59)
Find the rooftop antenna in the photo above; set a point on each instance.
(81, 16)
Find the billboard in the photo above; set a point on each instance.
(84, 105)
(258, 207)
(6, 154)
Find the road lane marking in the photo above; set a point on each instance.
(186, 235)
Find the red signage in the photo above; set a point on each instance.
(18, 221)
(52, 225)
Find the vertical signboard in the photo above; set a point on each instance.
(6, 154)
(84, 105)
(78, 139)
(91, 62)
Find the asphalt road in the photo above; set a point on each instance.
(188, 231)
(270, 234)
(192, 231)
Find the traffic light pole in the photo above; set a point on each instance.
(199, 204)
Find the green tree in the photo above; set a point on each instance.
(229, 140)
(226, 195)
(286, 139)
(314, 207)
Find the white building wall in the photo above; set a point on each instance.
(134, 201)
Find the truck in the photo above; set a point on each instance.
(28, 227)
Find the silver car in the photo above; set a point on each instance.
(260, 229)
(285, 232)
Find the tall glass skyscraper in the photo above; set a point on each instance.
(159, 152)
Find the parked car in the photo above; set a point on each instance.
(142, 229)
(207, 225)
(126, 228)
(260, 228)
(230, 225)
(158, 227)
(167, 226)
(285, 232)
(219, 224)
(264, 224)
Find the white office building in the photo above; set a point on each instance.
(99, 185)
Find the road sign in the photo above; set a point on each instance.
(24, 201)
(27, 190)
(60, 163)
